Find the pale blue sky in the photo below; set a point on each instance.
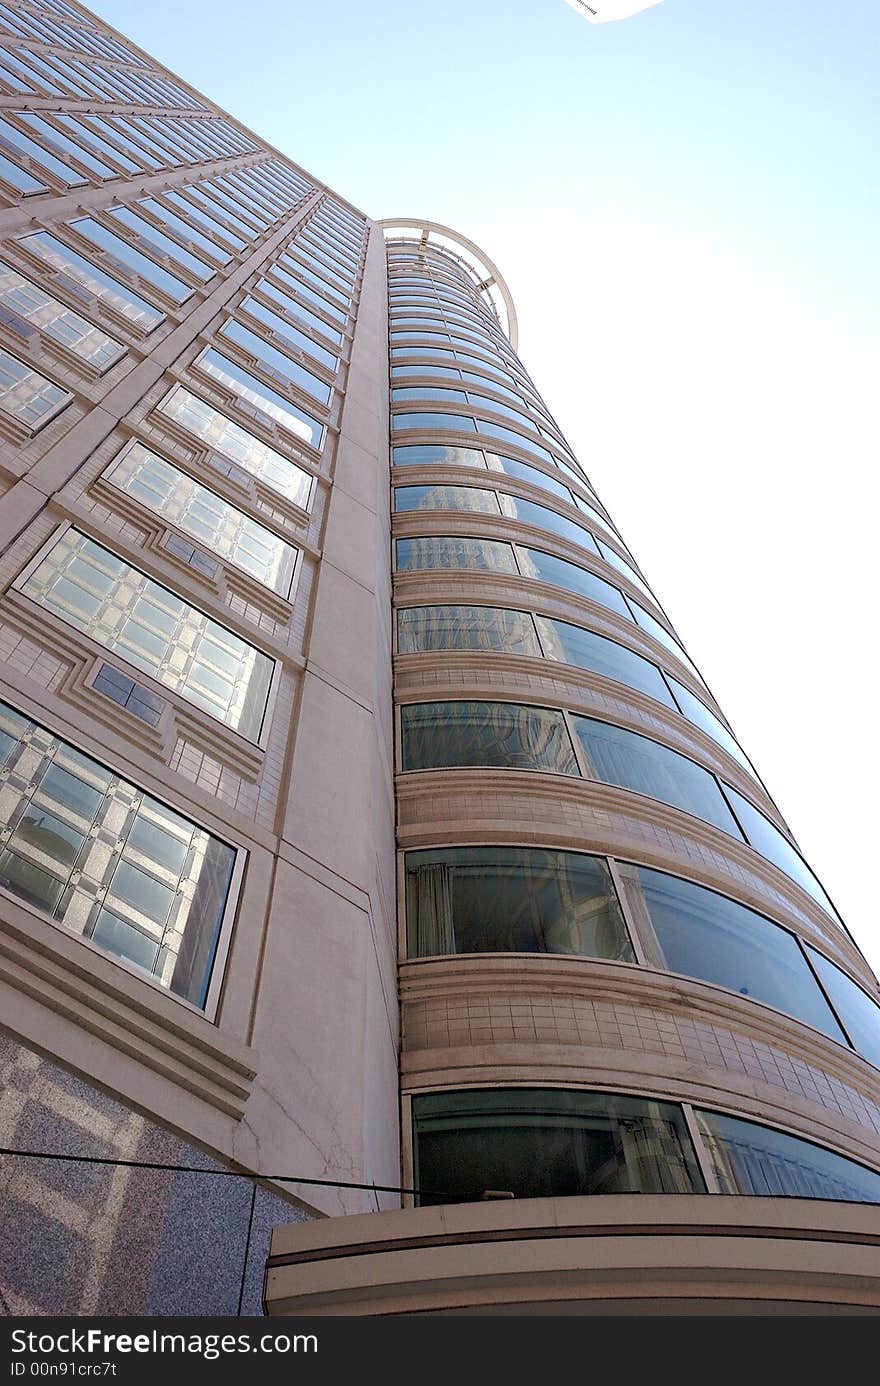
(705, 329)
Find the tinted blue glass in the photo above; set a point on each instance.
(859, 1012)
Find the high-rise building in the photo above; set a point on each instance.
(367, 837)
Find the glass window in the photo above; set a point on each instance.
(14, 139)
(195, 213)
(57, 321)
(534, 514)
(438, 392)
(186, 230)
(267, 400)
(124, 611)
(507, 435)
(625, 758)
(697, 712)
(444, 497)
(27, 395)
(290, 337)
(298, 311)
(234, 442)
(761, 834)
(165, 245)
(548, 1143)
(546, 567)
(125, 254)
(512, 900)
(508, 736)
(421, 454)
(118, 296)
(454, 551)
(208, 518)
(858, 1011)
(753, 1159)
(582, 648)
(50, 132)
(424, 628)
(524, 472)
(623, 567)
(662, 636)
(17, 177)
(110, 863)
(298, 285)
(275, 361)
(703, 934)
(454, 423)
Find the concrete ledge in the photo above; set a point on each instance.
(635, 1254)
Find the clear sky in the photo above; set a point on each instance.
(686, 207)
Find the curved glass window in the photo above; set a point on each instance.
(441, 496)
(624, 568)
(702, 717)
(109, 862)
(442, 393)
(559, 572)
(548, 1143)
(753, 1159)
(507, 435)
(516, 508)
(621, 757)
(422, 454)
(454, 551)
(523, 471)
(703, 934)
(508, 736)
(761, 834)
(650, 624)
(512, 900)
(455, 423)
(424, 628)
(859, 1013)
(586, 650)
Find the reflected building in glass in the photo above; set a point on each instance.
(369, 843)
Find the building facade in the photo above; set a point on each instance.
(362, 846)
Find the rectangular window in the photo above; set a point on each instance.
(234, 442)
(289, 337)
(13, 139)
(275, 361)
(118, 296)
(57, 321)
(454, 551)
(262, 397)
(124, 611)
(186, 231)
(126, 255)
(27, 395)
(108, 862)
(298, 311)
(146, 232)
(451, 423)
(205, 516)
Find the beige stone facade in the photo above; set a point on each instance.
(258, 707)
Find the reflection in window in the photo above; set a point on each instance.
(276, 361)
(246, 386)
(27, 395)
(508, 736)
(225, 530)
(107, 861)
(859, 1013)
(703, 934)
(234, 442)
(419, 454)
(440, 496)
(124, 253)
(752, 1159)
(512, 900)
(548, 1143)
(454, 551)
(586, 650)
(118, 296)
(761, 834)
(618, 756)
(424, 628)
(57, 321)
(546, 567)
(124, 611)
(455, 423)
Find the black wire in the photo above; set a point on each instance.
(227, 1173)
(247, 1250)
